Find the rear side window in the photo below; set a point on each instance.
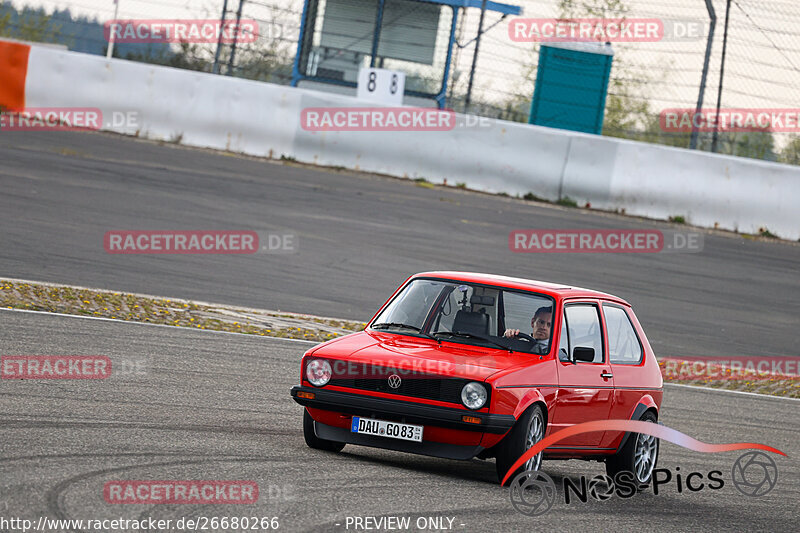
(623, 343)
(583, 323)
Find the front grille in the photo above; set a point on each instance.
(413, 384)
(444, 390)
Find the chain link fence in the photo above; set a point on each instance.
(761, 67)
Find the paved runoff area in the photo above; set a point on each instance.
(208, 416)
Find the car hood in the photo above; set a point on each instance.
(416, 354)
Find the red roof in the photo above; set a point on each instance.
(552, 289)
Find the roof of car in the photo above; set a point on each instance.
(553, 289)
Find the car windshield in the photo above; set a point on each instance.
(472, 314)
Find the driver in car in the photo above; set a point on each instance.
(541, 324)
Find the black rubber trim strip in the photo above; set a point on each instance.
(402, 411)
(579, 448)
(577, 387)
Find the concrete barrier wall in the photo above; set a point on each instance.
(262, 119)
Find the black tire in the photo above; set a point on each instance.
(315, 442)
(625, 459)
(515, 443)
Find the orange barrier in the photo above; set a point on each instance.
(13, 71)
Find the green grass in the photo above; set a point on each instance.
(566, 201)
(178, 313)
(532, 197)
(764, 232)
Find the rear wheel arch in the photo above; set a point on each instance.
(645, 403)
(642, 407)
(628, 457)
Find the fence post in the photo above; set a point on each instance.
(235, 37)
(713, 16)
(215, 69)
(721, 76)
(475, 58)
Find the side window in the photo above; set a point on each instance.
(583, 323)
(623, 344)
(519, 310)
(563, 345)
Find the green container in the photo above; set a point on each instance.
(571, 86)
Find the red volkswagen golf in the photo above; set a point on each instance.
(462, 365)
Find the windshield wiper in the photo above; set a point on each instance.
(473, 336)
(388, 325)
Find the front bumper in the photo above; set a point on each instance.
(432, 449)
(406, 411)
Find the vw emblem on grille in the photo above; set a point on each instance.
(394, 381)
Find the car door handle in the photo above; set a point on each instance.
(606, 375)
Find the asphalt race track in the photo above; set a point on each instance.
(359, 238)
(216, 406)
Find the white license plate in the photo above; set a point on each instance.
(383, 428)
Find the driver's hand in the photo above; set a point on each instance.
(511, 333)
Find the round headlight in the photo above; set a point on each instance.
(473, 395)
(318, 372)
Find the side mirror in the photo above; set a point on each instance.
(582, 353)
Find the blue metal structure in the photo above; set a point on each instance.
(571, 86)
(304, 43)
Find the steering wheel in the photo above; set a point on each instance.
(525, 337)
(532, 341)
